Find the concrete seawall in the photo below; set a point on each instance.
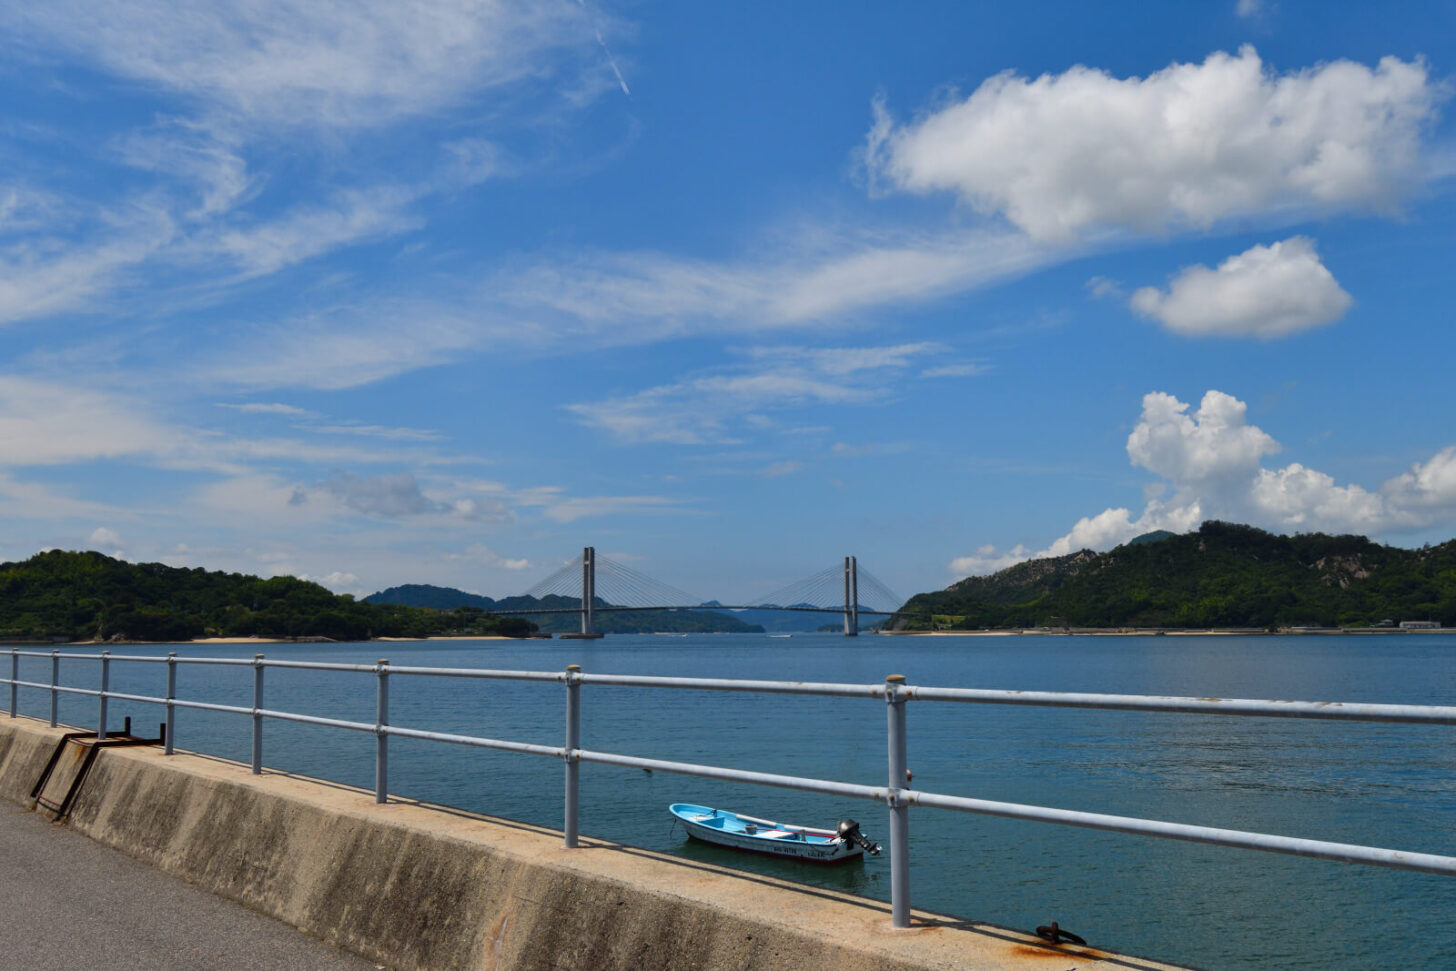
(417, 886)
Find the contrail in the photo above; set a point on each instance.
(610, 59)
(613, 61)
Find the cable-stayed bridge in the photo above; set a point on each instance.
(603, 585)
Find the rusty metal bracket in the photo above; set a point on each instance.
(90, 745)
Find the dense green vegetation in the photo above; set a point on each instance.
(609, 622)
(1223, 575)
(86, 596)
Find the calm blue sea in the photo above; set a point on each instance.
(1392, 786)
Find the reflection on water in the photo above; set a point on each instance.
(1381, 785)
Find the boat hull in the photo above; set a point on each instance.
(724, 828)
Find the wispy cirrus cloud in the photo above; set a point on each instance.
(225, 85)
(655, 295)
(268, 408)
(550, 306)
(720, 406)
(289, 63)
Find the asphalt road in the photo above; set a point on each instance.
(68, 902)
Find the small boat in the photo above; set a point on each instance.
(777, 839)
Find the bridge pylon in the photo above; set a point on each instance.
(588, 596)
(851, 597)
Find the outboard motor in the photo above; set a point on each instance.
(849, 832)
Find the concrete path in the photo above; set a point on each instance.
(69, 902)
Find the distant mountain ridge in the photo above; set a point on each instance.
(1222, 575)
(633, 622)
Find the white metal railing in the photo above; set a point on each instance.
(896, 795)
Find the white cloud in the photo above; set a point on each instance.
(1249, 9)
(965, 369)
(570, 510)
(53, 424)
(207, 161)
(28, 500)
(608, 300)
(269, 408)
(40, 275)
(1428, 488)
(345, 347)
(386, 432)
(987, 560)
(1214, 444)
(303, 233)
(337, 581)
(814, 280)
(102, 536)
(1265, 291)
(309, 62)
(711, 407)
(1210, 464)
(1065, 155)
(393, 496)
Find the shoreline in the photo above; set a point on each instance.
(1012, 632)
(271, 640)
(1165, 631)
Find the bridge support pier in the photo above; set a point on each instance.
(851, 597)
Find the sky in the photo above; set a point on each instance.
(376, 293)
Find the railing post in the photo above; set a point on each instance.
(899, 809)
(14, 677)
(257, 714)
(381, 737)
(573, 743)
(169, 742)
(105, 687)
(55, 680)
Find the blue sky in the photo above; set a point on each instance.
(378, 293)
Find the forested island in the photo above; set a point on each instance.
(65, 596)
(1224, 575)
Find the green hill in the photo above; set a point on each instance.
(1223, 575)
(609, 622)
(85, 596)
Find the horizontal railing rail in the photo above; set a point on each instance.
(896, 795)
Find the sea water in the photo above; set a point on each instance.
(1382, 785)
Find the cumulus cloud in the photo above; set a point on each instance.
(1213, 445)
(102, 536)
(1065, 155)
(337, 581)
(1209, 463)
(988, 560)
(1265, 291)
(1428, 488)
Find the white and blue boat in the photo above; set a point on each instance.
(777, 839)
